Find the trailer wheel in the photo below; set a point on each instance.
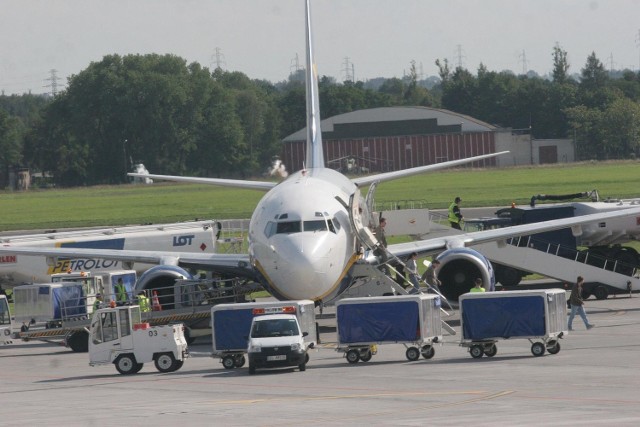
(228, 362)
(353, 356)
(537, 348)
(302, 367)
(491, 350)
(252, 369)
(165, 362)
(239, 361)
(476, 351)
(138, 368)
(413, 354)
(601, 292)
(553, 347)
(126, 364)
(79, 342)
(428, 351)
(306, 358)
(178, 365)
(366, 355)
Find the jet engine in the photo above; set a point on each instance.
(161, 279)
(459, 268)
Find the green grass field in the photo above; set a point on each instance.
(169, 202)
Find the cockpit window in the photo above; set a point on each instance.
(287, 227)
(315, 225)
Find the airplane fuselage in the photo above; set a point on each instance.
(301, 238)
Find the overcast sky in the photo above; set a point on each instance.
(262, 37)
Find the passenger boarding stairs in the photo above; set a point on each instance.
(519, 253)
(374, 279)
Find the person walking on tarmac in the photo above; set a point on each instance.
(121, 292)
(577, 305)
(455, 216)
(143, 302)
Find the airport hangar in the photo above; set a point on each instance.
(393, 138)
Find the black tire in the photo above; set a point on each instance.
(138, 368)
(413, 354)
(601, 292)
(306, 358)
(229, 362)
(79, 342)
(126, 364)
(252, 369)
(585, 294)
(428, 351)
(165, 362)
(239, 361)
(537, 349)
(366, 355)
(476, 351)
(302, 367)
(353, 356)
(553, 347)
(178, 364)
(490, 350)
(508, 276)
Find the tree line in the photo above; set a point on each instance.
(180, 118)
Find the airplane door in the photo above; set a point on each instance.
(368, 205)
(364, 233)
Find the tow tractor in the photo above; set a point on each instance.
(5, 322)
(119, 336)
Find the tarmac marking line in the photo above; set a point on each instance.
(356, 396)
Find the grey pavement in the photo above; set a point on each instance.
(593, 380)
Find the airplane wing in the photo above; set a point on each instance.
(236, 263)
(253, 185)
(470, 239)
(388, 176)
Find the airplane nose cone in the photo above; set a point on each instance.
(302, 265)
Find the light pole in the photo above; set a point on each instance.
(124, 151)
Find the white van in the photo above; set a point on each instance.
(276, 340)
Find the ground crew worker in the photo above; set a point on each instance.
(143, 302)
(121, 292)
(455, 216)
(478, 286)
(97, 304)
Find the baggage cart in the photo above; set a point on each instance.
(540, 316)
(365, 323)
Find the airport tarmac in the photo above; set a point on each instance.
(593, 380)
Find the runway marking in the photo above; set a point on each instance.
(360, 396)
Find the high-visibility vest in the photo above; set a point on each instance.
(452, 216)
(121, 292)
(143, 302)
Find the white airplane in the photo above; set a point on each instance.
(307, 232)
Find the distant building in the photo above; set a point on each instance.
(393, 138)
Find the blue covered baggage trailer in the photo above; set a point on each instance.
(411, 320)
(539, 316)
(231, 325)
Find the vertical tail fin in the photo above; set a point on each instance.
(315, 156)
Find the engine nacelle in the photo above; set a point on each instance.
(161, 279)
(459, 268)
